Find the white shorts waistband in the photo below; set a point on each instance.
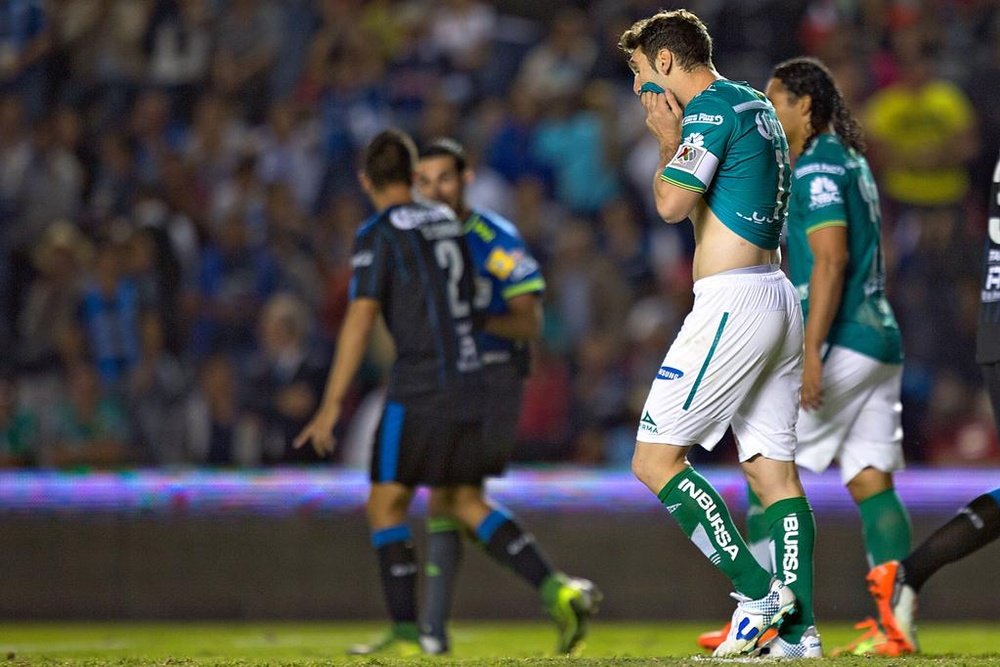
(751, 275)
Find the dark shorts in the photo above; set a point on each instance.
(425, 442)
(991, 374)
(502, 411)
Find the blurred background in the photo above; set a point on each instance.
(178, 201)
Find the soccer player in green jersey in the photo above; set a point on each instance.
(737, 360)
(850, 405)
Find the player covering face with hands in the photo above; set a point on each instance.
(737, 359)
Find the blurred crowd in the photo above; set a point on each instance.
(178, 203)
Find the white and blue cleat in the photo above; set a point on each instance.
(807, 647)
(748, 632)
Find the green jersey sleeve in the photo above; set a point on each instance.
(706, 128)
(820, 193)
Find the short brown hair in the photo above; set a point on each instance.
(679, 31)
(390, 158)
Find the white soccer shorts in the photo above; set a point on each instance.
(737, 360)
(859, 423)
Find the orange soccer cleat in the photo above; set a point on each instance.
(897, 606)
(710, 640)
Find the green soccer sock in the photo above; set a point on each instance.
(885, 525)
(705, 519)
(793, 531)
(758, 531)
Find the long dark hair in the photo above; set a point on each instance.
(808, 76)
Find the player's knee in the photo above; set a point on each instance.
(868, 483)
(441, 502)
(386, 507)
(646, 468)
(469, 499)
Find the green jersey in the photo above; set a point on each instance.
(735, 152)
(833, 187)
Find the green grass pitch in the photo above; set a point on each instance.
(249, 644)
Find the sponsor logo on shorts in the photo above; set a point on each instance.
(722, 536)
(668, 373)
(647, 424)
(790, 560)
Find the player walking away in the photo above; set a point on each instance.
(510, 288)
(895, 585)
(411, 263)
(850, 404)
(738, 357)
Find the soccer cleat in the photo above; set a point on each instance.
(401, 641)
(571, 602)
(753, 618)
(807, 647)
(432, 645)
(897, 606)
(870, 639)
(710, 640)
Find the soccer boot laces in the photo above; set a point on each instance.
(753, 618)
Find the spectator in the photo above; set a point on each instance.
(153, 136)
(19, 429)
(579, 145)
(560, 65)
(91, 428)
(50, 188)
(234, 281)
(923, 130)
(461, 30)
(115, 181)
(287, 379)
(25, 41)
(156, 394)
(248, 37)
(511, 152)
(288, 232)
(109, 313)
(178, 48)
(221, 434)
(242, 196)
(288, 152)
(216, 142)
(61, 257)
(626, 246)
(588, 295)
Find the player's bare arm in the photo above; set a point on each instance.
(351, 345)
(523, 321)
(830, 257)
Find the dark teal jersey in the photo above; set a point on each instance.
(735, 152)
(833, 186)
